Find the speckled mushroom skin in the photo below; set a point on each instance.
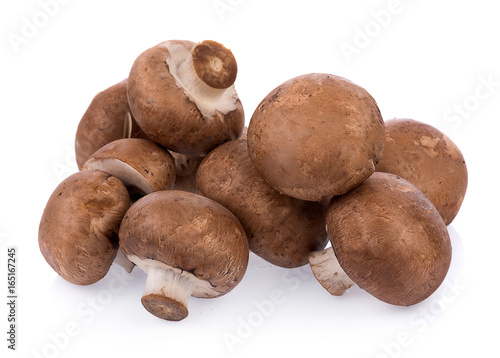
(316, 135)
(428, 159)
(151, 161)
(103, 122)
(79, 227)
(167, 115)
(280, 229)
(190, 232)
(390, 239)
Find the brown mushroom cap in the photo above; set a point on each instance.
(108, 118)
(390, 240)
(428, 159)
(185, 118)
(138, 163)
(186, 237)
(280, 229)
(79, 227)
(316, 135)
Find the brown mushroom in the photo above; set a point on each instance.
(188, 245)
(280, 229)
(78, 233)
(428, 159)
(108, 118)
(316, 135)
(182, 96)
(389, 239)
(142, 165)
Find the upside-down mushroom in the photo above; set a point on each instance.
(182, 96)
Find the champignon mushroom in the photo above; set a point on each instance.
(316, 135)
(140, 164)
(428, 159)
(182, 96)
(280, 229)
(108, 118)
(389, 239)
(79, 227)
(188, 245)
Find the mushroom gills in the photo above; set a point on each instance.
(209, 100)
(328, 272)
(127, 174)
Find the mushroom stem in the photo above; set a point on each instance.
(194, 85)
(208, 97)
(214, 64)
(167, 293)
(327, 270)
(122, 261)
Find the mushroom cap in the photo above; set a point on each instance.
(79, 227)
(389, 239)
(165, 112)
(190, 233)
(316, 135)
(137, 162)
(107, 118)
(280, 229)
(428, 159)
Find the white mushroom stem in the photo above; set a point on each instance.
(122, 261)
(327, 270)
(207, 99)
(166, 282)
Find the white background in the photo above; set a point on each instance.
(427, 60)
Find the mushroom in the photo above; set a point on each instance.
(188, 245)
(107, 118)
(182, 96)
(428, 159)
(142, 165)
(316, 135)
(388, 238)
(79, 227)
(280, 229)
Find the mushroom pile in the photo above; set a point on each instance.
(172, 182)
